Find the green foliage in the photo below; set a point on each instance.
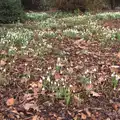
(83, 5)
(108, 16)
(46, 4)
(114, 82)
(96, 5)
(64, 93)
(11, 11)
(37, 16)
(70, 4)
(118, 36)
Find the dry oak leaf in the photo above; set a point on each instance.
(115, 69)
(10, 102)
(83, 116)
(2, 62)
(35, 117)
(57, 76)
(34, 106)
(118, 55)
(89, 87)
(95, 94)
(88, 112)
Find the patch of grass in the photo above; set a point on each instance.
(37, 16)
(108, 15)
(114, 82)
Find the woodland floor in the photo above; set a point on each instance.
(104, 104)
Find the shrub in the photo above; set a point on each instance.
(38, 4)
(82, 5)
(96, 5)
(11, 11)
(70, 4)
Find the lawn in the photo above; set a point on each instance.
(59, 66)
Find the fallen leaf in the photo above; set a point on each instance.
(34, 106)
(3, 53)
(2, 62)
(89, 87)
(28, 97)
(88, 112)
(59, 118)
(10, 102)
(57, 76)
(108, 119)
(39, 85)
(118, 55)
(36, 90)
(115, 106)
(14, 111)
(35, 117)
(83, 116)
(33, 85)
(101, 79)
(70, 70)
(115, 69)
(95, 94)
(76, 117)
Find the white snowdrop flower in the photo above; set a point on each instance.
(40, 81)
(117, 77)
(113, 74)
(73, 91)
(55, 83)
(49, 68)
(62, 79)
(59, 64)
(39, 69)
(4, 70)
(87, 71)
(43, 89)
(58, 60)
(26, 64)
(57, 80)
(63, 83)
(58, 84)
(49, 46)
(43, 77)
(70, 86)
(61, 72)
(94, 70)
(53, 72)
(90, 82)
(23, 47)
(48, 78)
(51, 82)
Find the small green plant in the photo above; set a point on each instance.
(49, 35)
(37, 16)
(58, 87)
(84, 80)
(114, 82)
(3, 80)
(64, 93)
(118, 36)
(70, 33)
(107, 16)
